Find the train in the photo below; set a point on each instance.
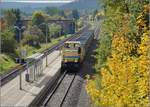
(74, 52)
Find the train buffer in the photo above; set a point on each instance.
(11, 95)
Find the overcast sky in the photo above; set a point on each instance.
(39, 1)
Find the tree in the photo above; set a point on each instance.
(126, 6)
(124, 79)
(17, 14)
(3, 24)
(54, 29)
(9, 16)
(75, 14)
(52, 11)
(9, 44)
(95, 12)
(32, 40)
(62, 13)
(38, 18)
(32, 35)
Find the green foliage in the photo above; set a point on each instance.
(80, 23)
(122, 73)
(32, 40)
(115, 11)
(45, 30)
(95, 12)
(52, 11)
(103, 51)
(6, 62)
(17, 14)
(9, 16)
(38, 18)
(42, 47)
(75, 14)
(62, 13)
(126, 6)
(33, 34)
(54, 28)
(8, 42)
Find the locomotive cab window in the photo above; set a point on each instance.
(72, 46)
(67, 45)
(79, 50)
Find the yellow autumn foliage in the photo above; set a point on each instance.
(125, 80)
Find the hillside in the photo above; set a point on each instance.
(28, 7)
(82, 5)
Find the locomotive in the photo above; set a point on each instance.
(74, 52)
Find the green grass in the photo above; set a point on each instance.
(43, 46)
(7, 62)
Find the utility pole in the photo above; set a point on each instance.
(46, 43)
(20, 55)
(46, 38)
(20, 58)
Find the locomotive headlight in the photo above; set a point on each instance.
(76, 60)
(65, 60)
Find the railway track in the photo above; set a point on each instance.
(59, 94)
(55, 93)
(20, 68)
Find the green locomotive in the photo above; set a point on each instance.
(73, 52)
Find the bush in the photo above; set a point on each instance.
(9, 44)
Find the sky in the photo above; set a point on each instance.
(39, 1)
